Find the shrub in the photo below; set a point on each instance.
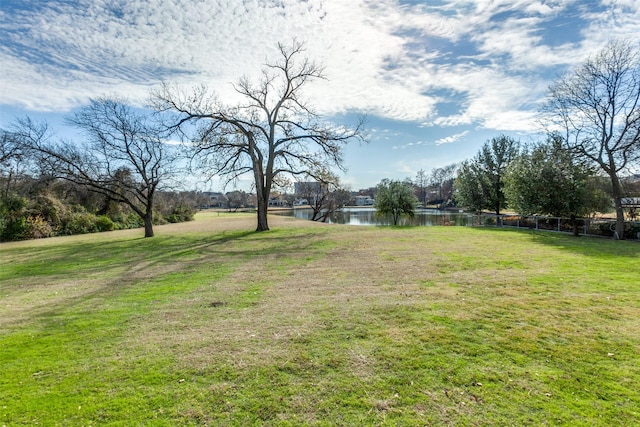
(12, 228)
(13, 218)
(126, 220)
(36, 227)
(632, 231)
(181, 214)
(489, 220)
(49, 209)
(104, 223)
(158, 219)
(80, 223)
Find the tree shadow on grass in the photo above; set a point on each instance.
(124, 267)
(591, 246)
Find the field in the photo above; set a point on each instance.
(209, 323)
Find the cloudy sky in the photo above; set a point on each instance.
(436, 78)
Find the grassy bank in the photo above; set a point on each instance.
(310, 324)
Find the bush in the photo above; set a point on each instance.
(158, 219)
(181, 214)
(13, 217)
(12, 228)
(125, 221)
(49, 209)
(104, 223)
(632, 230)
(48, 214)
(80, 223)
(36, 227)
(490, 220)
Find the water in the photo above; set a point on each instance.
(367, 216)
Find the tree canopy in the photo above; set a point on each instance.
(395, 198)
(480, 182)
(547, 181)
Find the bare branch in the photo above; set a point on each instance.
(123, 157)
(275, 132)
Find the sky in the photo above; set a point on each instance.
(435, 78)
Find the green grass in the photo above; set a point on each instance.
(308, 324)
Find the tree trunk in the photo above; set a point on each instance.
(263, 185)
(148, 224)
(497, 199)
(8, 186)
(619, 218)
(617, 201)
(329, 211)
(263, 205)
(574, 224)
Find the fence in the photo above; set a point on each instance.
(586, 226)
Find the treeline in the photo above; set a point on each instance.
(592, 118)
(130, 155)
(118, 176)
(541, 178)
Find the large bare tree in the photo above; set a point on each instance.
(597, 107)
(271, 134)
(123, 157)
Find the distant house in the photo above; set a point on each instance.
(364, 201)
(277, 202)
(215, 200)
(630, 202)
(311, 187)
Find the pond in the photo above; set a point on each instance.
(367, 216)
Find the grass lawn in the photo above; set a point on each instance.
(209, 323)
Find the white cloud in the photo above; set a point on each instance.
(409, 145)
(381, 57)
(452, 138)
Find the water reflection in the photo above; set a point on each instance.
(367, 216)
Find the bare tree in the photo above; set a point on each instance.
(598, 108)
(272, 134)
(421, 183)
(325, 195)
(442, 178)
(9, 148)
(14, 160)
(123, 158)
(237, 199)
